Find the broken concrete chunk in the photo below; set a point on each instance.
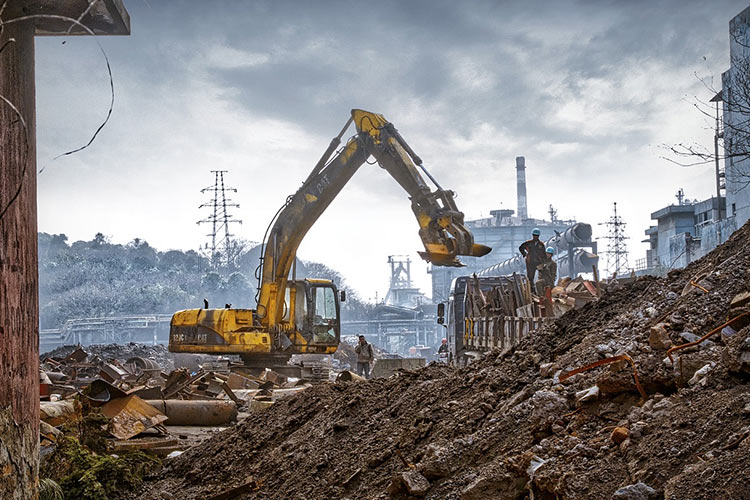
(619, 434)
(637, 491)
(691, 337)
(700, 374)
(546, 369)
(659, 337)
(587, 394)
(411, 482)
(740, 300)
(604, 350)
(546, 407)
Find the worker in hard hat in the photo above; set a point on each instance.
(443, 352)
(533, 251)
(547, 271)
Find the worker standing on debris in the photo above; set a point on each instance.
(365, 356)
(547, 271)
(534, 252)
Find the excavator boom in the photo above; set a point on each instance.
(441, 224)
(302, 316)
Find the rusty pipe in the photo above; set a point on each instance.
(347, 376)
(199, 413)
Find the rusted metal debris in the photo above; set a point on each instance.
(696, 285)
(250, 484)
(130, 415)
(732, 322)
(606, 361)
(136, 395)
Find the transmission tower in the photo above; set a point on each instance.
(617, 249)
(221, 249)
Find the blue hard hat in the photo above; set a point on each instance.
(551, 250)
(536, 231)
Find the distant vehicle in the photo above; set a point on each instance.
(454, 320)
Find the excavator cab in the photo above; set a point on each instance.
(314, 305)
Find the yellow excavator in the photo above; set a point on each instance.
(302, 316)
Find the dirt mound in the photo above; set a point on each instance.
(507, 428)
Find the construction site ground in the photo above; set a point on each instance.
(506, 427)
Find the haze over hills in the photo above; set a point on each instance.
(97, 278)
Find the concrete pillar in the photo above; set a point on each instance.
(19, 287)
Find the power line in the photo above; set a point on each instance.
(222, 249)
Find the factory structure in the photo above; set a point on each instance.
(404, 320)
(505, 230)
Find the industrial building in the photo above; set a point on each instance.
(403, 320)
(504, 231)
(685, 232)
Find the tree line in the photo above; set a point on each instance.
(97, 278)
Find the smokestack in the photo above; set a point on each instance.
(521, 185)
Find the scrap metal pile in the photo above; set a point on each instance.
(134, 394)
(643, 393)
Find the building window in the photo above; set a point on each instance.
(734, 208)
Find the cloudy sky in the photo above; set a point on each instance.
(587, 91)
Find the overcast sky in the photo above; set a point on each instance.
(587, 91)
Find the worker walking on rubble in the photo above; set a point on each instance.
(365, 356)
(547, 271)
(534, 252)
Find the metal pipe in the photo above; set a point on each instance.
(199, 413)
(575, 234)
(347, 376)
(582, 262)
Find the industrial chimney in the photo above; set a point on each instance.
(521, 185)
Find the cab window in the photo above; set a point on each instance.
(325, 305)
(325, 318)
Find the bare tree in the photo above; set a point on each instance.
(731, 127)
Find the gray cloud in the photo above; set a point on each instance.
(581, 88)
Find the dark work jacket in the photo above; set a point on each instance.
(364, 353)
(534, 249)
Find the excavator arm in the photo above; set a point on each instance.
(441, 226)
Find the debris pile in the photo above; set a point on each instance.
(666, 414)
(157, 353)
(573, 294)
(97, 410)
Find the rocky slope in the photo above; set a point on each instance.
(506, 427)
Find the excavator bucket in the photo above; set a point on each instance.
(449, 259)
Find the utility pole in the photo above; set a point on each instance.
(220, 219)
(22, 21)
(617, 249)
(718, 134)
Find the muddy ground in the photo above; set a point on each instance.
(506, 427)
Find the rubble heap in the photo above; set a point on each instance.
(516, 425)
(157, 353)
